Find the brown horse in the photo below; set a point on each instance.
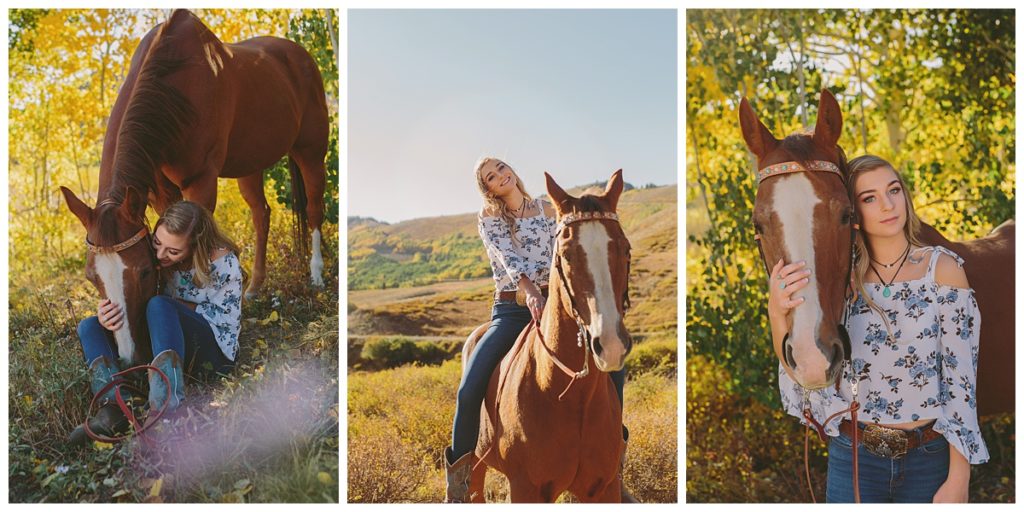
(549, 424)
(193, 109)
(807, 216)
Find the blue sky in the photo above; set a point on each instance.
(577, 93)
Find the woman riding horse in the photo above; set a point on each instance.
(193, 326)
(913, 328)
(518, 234)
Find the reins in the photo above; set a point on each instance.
(117, 383)
(822, 166)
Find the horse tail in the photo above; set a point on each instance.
(299, 203)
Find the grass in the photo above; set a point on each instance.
(266, 433)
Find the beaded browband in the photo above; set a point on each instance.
(582, 216)
(790, 167)
(118, 247)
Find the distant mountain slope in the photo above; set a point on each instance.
(425, 252)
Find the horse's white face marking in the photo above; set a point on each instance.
(110, 271)
(604, 313)
(316, 261)
(794, 201)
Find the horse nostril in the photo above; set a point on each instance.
(787, 351)
(597, 345)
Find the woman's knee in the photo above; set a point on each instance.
(88, 326)
(158, 304)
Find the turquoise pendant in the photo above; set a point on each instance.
(886, 292)
(184, 281)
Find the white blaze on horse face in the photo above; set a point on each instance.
(110, 271)
(604, 312)
(794, 201)
(316, 261)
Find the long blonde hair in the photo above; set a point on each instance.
(194, 222)
(861, 252)
(495, 204)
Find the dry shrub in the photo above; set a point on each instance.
(400, 421)
(383, 471)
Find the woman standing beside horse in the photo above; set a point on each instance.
(518, 234)
(914, 328)
(193, 325)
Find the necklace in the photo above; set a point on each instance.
(890, 265)
(522, 209)
(886, 292)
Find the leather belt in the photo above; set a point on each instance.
(517, 295)
(891, 443)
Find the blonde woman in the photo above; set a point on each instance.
(518, 234)
(914, 328)
(193, 324)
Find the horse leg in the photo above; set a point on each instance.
(314, 177)
(476, 483)
(251, 188)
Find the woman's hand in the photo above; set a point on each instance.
(535, 300)
(785, 281)
(110, 315)
(953, 490)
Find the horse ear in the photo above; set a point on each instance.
(829, 125)
(555, 192)
(77, 207)
(134, 204)
(613, 190)
(759, 138)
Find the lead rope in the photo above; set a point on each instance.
(116, 384)
(820, 429)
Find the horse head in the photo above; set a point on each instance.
(120, 263)
(591, 261)
(806, 215)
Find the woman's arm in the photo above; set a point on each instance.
(534, 298)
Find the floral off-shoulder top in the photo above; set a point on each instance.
(532, 256)
(927, 369)
(219, 302)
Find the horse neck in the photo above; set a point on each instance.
(559, 332)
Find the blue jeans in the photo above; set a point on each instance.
(172, 326)
(508, 320)
(913, 478)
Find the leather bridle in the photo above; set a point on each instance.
(772, 171)
(583, 337)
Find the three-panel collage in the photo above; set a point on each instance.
(422, 255)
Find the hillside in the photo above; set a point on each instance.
(436, 280)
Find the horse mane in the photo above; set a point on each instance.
(154, 121)
(589, 203)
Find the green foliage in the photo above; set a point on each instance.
(389, 352)
(653, 356)
(912, 93)
(378, 260)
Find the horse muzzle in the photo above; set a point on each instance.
(610, 349)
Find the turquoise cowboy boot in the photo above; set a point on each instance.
(169, 363)
(109, 420)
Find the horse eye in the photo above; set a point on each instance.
(758, 228)
(846, 217)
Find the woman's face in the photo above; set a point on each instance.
(881, 202)
(498, 178)
(170, 249)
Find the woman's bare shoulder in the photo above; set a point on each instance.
(948, 272)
